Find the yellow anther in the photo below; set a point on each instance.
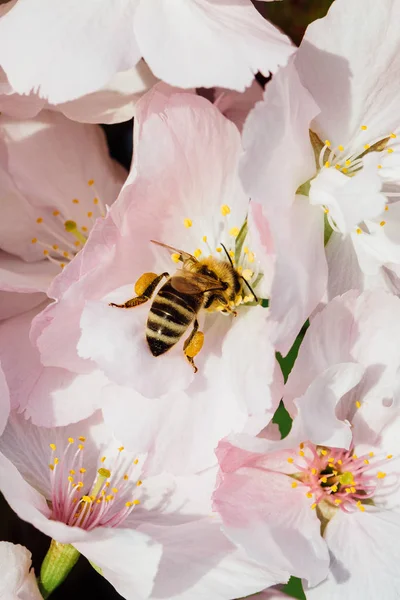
(290, 459)
(358, 404)
(62, 265)
(121, 448)
(382, 223)
(225, 210)
(250, 257)
(204, 238)
(53, 446)
(82, 438)
(90, 182)
(82, 470)
(103, 459)
(56, 213)
(247, 274)
(337, 501)
(138, 483)
(371, 454)
(339, 462)
(324, 479)
(353, 489)
(390, 150)
(114, 490)
(234, 231)
(313, 471)
(86, 499)
(135, 462)
(71, 440)
(340, 148)
(79, 484)
(393, 135)
(381, 475)
(327, 143)
(294, 484)
(108, 484)
(386, 207)
(98, 501)
(136, 502)
(34, 240)
(95, 200)
(337, 167)
(301, 445)
(219, 249)
(39, 220)
(45, 252)
(360, 506)
(331, 459)
(51, 467)
(379, 166)
(389, 456)
(80, 446)
(109, 497)
(334, 488)
(347, 490)
(175, 257)
(90, 214)
(364, 127)
(324, 452)
(313, 506)
(75, 201)
(72, 472)
(347, 163)
(126, 477)
(56, 461)
(344, 170)
(367, 146)
(309, 495)
(128, 504)
(55, 247)
(354, 457)
(358, 230)
(187, 222)
(197, 253)
(327, 164)
(366, 461)
(84, 228)
(77, 243)
(301, 452)
(246, 250)
(326, 211)
(70, 479)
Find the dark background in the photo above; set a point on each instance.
(292, 16)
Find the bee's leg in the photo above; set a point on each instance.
(144, 287)
(193, 344)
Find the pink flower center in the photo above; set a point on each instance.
(61, 238)
(82, 499)
(338, 476)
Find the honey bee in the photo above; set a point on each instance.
(210, 284)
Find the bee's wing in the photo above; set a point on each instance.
(182, 255)
(194, 283)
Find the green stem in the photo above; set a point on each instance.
(57, 564)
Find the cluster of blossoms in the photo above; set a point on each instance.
(144, 315)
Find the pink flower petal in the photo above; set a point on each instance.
(18, 579)
(206, 43)
(89, 45)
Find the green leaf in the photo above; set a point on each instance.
(294, 588)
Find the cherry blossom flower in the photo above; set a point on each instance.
(187, 44)
(184, 192)
(333, 483)
(113, 103)
(80, 486)
(57, 178)
(17, 578)
(349, 172)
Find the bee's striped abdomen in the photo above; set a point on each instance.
(170, 315)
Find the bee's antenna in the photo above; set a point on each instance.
(245, 280)
(250, 288)
(227, 254)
